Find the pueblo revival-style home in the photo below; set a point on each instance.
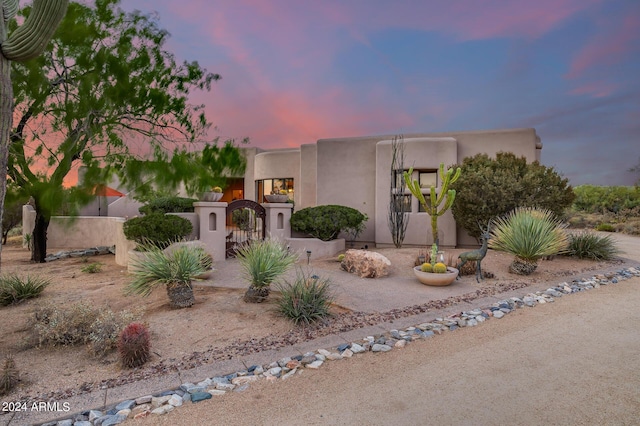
(355, 172)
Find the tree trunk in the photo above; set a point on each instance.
(39, 238)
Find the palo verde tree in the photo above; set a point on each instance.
(22, 44)
(107, 96)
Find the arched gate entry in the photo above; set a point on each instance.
(245, 223)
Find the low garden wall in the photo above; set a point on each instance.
(318, 248)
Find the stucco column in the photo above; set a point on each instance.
(212, 217)
(277, 220)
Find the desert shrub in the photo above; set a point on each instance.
(79, 323)
(529, 234)
(164, 205)
(9, 376)
(306, 300)
(326, 222)
(603, 199)
(157, 229)
(493, 187)
(134, 345)
(14, 289)
(587, 245)
(263, 261)
(631, 227)
(606, 227)
(92, 268)
(63, 326)
(106, 329)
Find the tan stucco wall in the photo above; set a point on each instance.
(307, 186)
(276, 164)
(346, 176)
(420, 153)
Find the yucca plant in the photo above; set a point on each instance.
(175, 269)
(307, 299)
(529, 234)
(587, 245)
(14, 289)
(262, 262)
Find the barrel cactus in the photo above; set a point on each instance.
(439, 268)
(426, 267)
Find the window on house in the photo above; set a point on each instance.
(428, 178)
(273, 186)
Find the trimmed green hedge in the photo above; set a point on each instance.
(169, 205)
(158, 229)
(327, 222)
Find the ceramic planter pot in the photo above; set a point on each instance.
(211, 196)
(277, 198)
(434, 279)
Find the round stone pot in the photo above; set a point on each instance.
(434, 279)
(211, 196)
(277, 198)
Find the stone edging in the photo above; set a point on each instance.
(284, 368)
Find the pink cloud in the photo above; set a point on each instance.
(597, 89)
(609, 47)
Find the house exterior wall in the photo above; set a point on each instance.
(355, 172)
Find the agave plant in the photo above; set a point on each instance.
(262, 262)
(529, 234)
(175, 269)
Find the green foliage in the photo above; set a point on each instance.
(172, 266)
(244, 219)
(12, 213)
(169, 205)
(587, 245)
(92, 268)
(263, 261)
(14, 289)
(134, 345)
(606, 227)
(435, 197)
(603, 199)
(529, 234)
(326, 222)
(306, 300)
(493, 187)
(106, 79)
(156, 229)
(80, 323)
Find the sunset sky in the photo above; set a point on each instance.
(295, 71)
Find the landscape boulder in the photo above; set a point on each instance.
(367, 264)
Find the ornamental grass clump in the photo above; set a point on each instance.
(175, 269)
(306, 300)
(262, 262)
(14, 289)
(529, 234)
(587, 245)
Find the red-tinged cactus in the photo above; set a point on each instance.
(134, 345)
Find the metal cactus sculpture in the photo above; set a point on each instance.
(445, 195)
(26, 42)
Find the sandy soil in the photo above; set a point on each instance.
(219, 325)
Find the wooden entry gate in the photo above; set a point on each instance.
(245, 223)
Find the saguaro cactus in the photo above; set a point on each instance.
(435, 199)
(26, 42)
